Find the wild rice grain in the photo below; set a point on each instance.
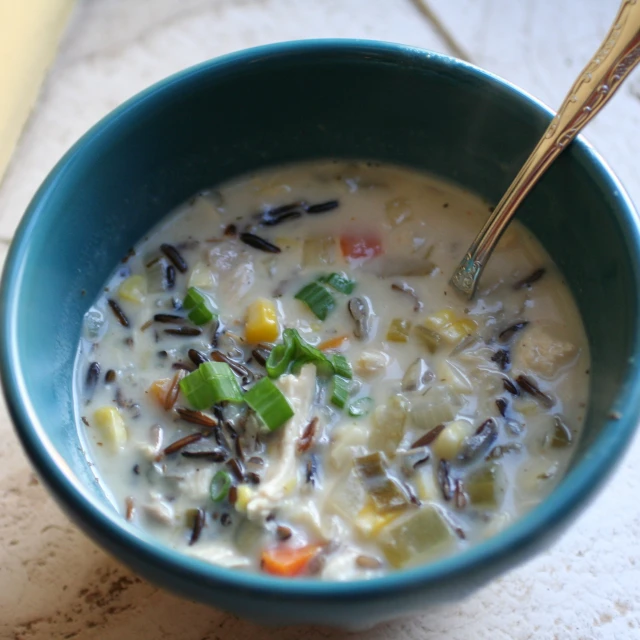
(118, 312)
(182, 443)
(198, 526)
(174, 255)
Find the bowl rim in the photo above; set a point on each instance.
(103, 521)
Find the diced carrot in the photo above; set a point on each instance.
(288, 561)
(357, 247)
(158, 390)
(334, 344)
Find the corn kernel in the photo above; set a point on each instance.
(458, 330)
(111, 424)
(447, 445)
(369, 522)
(245, 493)
(133, 289)
(262, 322)
(440, 320)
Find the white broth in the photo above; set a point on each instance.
(421, 424)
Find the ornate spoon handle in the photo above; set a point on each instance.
(612, 63)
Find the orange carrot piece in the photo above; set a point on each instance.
(158, 390)
(288, 561)
(333, 344)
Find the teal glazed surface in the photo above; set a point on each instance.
(283, 103)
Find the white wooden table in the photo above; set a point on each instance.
(54, 583)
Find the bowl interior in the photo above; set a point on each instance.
(298, 102)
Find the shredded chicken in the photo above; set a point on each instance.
(233, 268)
(224, 554)
(300, 391)
(371, 363)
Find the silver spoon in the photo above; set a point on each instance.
(603, 75)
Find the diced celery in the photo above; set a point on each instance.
(386, 493)
(485, 486)
(398, 330)
(458, 330)
(417, 536)
(427, 337)
(440, 320)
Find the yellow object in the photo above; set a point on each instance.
(398, 330)
(446, 324)
(262, 322)
(111, 424)
(369, 521)
(29, 36)
(201, 276)
(245, 493)
(447, 445)
(133, 289)
(440, 320)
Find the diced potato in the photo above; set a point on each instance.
(397, 211)
(371, 363)
(498, 523)
(527, 406)
(111, 424)
(201, 276)
(347, 497)
(398, 330)
(458, 330)
(388, 425)
(453, 376)
(370, 521)
(245, 493)
(440, 320)
(447, 445)
(417, 536)
(438, 406)
(538, 352)
(319, 251)
(485, 486)
(133, 289)
(262, 322)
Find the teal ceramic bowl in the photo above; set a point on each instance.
(284, 103)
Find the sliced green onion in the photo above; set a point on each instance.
(304, 353)
(339, 282)
(361, 407)
(317, 298)
(340, 391)
(220, 485)
(209, 384)
(193, 299)
(198, 305)
(281, 356)
(342, 367)
(269, 403)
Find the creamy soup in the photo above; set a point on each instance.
(279, 378)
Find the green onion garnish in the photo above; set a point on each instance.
(281, 356)
(317, 298)
(209, 384)
(339, 282)
(340, 391)
(293, 354)
(342, 367)
(269, 403)
(220, 485)
(360, 407)
(197, 304)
